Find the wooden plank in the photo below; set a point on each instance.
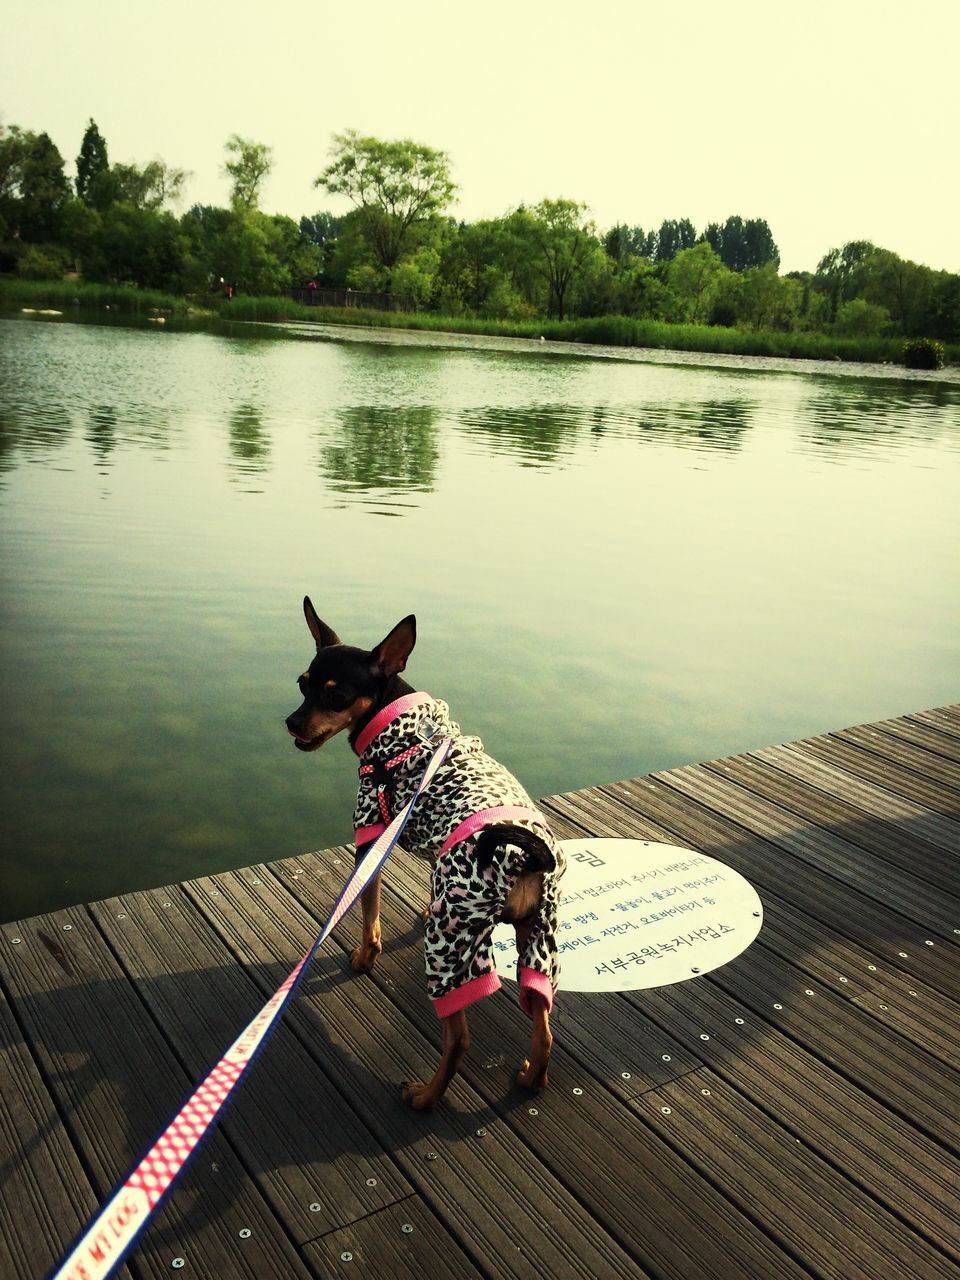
(831, 1225)
(318, 1176)
(117, 1082)
(901, 1076)
(915, 822)
(913, 1177)
(946, 719)
(941, 744)
(915, 756)
(890, 826)
(585, 1139)
(879, 934)
(863, 763)
(45, 1195)
(466, 1167)
(397, 1243)
(830, 854)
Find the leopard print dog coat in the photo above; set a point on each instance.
(471, 791)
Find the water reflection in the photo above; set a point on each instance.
(548, 435)
(539, 434)
(32, 431)
(249, 443)
(847, 421)
(101, 433)
(719, 425)
(381, 448)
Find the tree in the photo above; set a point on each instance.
(250, 164)
(835, 270)
(673, 237)
(768, 300)
(92, 164)
(694, 275)
(33, 186)
(395, 187)
(742, 245)
(559, 240)
(904, 288)
(146, 187)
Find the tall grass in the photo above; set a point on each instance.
(64, 294)
(615, 331)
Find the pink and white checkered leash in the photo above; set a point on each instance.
(111, 1233)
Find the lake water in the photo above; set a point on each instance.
(620, 562)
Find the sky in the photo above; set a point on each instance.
(834, 121)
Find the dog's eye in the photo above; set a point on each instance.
(338, 699)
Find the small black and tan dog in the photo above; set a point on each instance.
(494, 856)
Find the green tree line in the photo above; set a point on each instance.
(113, 223)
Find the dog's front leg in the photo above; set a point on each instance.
(456, 1042)
(364, 957)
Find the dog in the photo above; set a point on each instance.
(494, 856)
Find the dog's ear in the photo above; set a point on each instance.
(319, 630)
(392, 653)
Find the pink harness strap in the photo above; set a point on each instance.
(386, 716)
(488, 818)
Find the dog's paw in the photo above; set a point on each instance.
(364, 957)
(417, 1096)
(532, 1077)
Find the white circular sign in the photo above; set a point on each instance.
(635, 914)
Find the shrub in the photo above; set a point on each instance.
(923, 353)
(861, 319)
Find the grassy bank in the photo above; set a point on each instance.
(616, 331)
(64, 295)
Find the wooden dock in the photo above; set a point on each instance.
(795, 1113)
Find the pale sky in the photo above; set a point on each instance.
(833, 120)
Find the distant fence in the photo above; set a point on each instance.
(353, 298)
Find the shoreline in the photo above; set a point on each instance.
(610, 337)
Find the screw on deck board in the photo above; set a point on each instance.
(431, 1155)
(177, 1263)
(371, 1182)
(407, 1229)
(533, 1111)
(315, 1207)
(481, 1133)
(244, 1233)
(624, 1075)
(346, 1257)
(578, 1092)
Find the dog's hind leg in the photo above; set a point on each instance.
(456, 1042)
(533, 1073)
(364, 957)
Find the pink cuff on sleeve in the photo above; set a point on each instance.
(365, 834)
(472, 991)
(533, 980)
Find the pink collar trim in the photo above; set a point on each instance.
(387, 716)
